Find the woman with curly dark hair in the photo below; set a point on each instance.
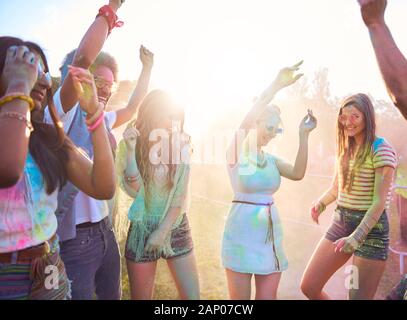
(36, 161)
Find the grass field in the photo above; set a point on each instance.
(211, 194)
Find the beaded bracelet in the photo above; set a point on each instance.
(18, 96)
(97, 123)
(17, 116)
(130, 179)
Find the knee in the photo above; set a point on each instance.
(309, 289)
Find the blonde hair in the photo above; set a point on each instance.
(153, 106)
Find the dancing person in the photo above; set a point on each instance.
(156, 175)
(393, 66)
(252, 240)
(39, 161)
(361, 187)
(88, 244)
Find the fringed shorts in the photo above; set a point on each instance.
(42, 278)
(181, 243)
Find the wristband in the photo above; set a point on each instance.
(111, 18)
(322, 205)
(97, 123)
(130, 179)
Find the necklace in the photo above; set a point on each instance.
(261, 161)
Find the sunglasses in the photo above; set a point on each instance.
(42, 75)
(103, 84)
(278, 131)
(353, 119)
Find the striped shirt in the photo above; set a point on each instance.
(360, 195)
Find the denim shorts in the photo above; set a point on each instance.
(181, 243)
(376, 244)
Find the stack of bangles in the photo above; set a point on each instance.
(16, 115)
(322, 205)
(97, 119)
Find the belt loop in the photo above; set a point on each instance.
(102, 226)
(14, 257)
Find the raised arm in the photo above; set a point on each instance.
(129, 175)
(285, 78)
(297, 171)
(88, 50)
(18, 78)
(126, 114)
(392, 63)
(96, 179)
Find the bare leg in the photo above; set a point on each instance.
(267, 285)
(323, 264)
(239, 285)
(141, 279)
(185, 273)
(370, 272)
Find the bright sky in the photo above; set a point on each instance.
(216, 54)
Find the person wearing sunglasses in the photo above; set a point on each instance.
(37, 161)
(252, 239)
(361, 187)
(89, 247)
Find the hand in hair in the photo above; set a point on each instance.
(20, 70)
(146, 57)
(85, 87)
(373, 11)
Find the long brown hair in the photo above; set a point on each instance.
(153, 106)
(48, 144)
(346, 146)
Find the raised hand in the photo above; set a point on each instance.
(146, 57)
(373, 11)
(287, 76)
(116, 4)
(20, 71)
(130, 137)
(85, 87)
(309, 123)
